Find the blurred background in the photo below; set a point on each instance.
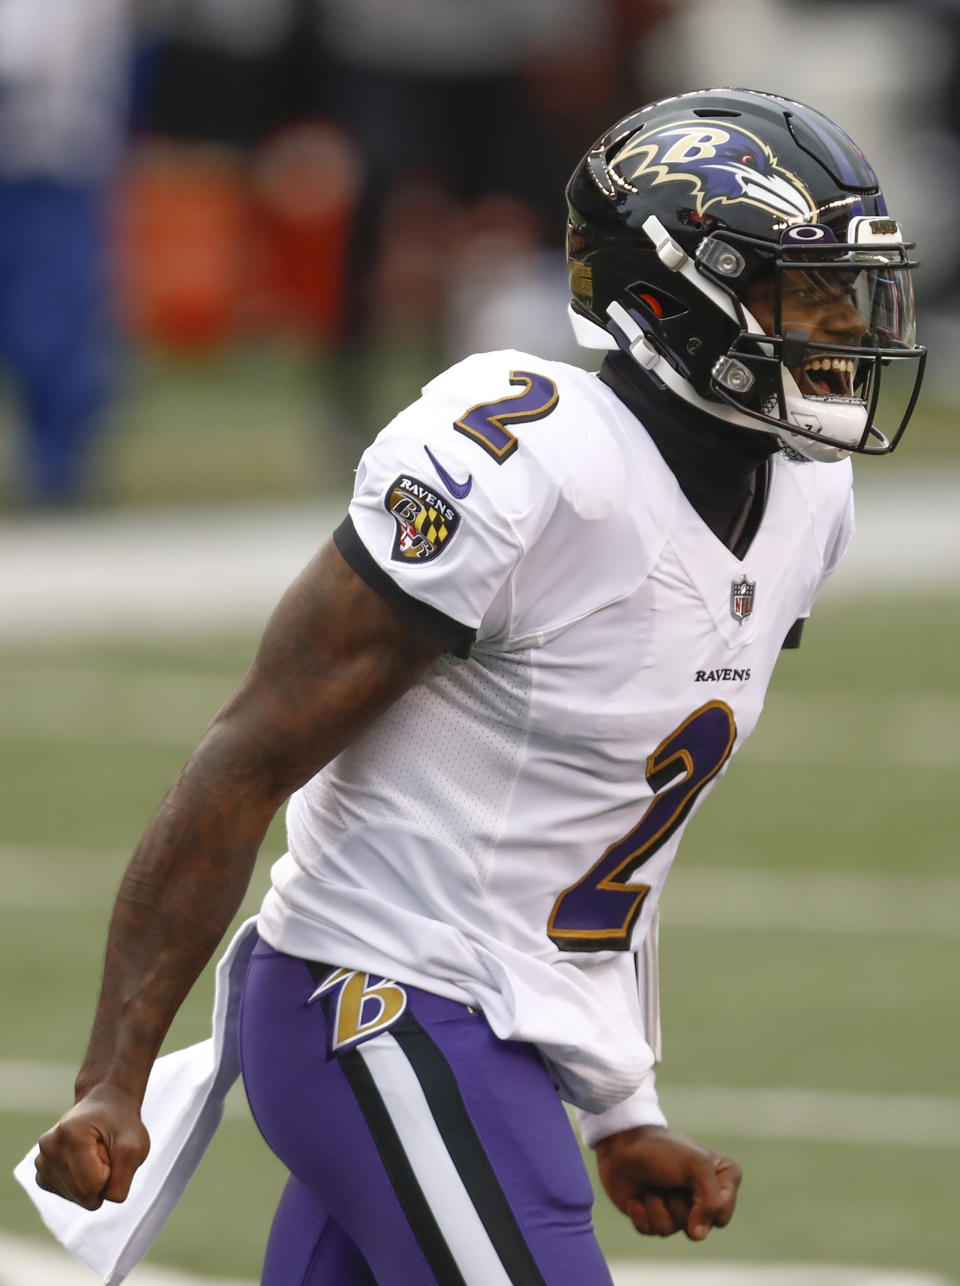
(235, 237)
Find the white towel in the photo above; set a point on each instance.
(182, 1108)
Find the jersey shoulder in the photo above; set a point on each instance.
(485, 405)
(453, 493)
(525, 431)
(498, 400)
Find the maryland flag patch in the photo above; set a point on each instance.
(425, 521)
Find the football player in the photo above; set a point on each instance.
(494, 701)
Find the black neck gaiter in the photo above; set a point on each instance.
(721, 468)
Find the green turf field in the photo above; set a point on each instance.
(809, 941)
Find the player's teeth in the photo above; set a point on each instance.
(843, 364)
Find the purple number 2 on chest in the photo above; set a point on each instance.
(599, 911)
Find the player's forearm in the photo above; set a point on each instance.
(177, 898)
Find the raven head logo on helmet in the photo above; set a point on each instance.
(737, 245)
(721, 166)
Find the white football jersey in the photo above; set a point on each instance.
(502, 834)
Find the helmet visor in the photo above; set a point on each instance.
(863, 299)
(883, 294)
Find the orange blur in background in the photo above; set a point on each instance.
(212, 245)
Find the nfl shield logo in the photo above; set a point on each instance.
(741, 599)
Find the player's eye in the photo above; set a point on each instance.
(821, 294)
(805, 294)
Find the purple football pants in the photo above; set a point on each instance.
(422, 1150)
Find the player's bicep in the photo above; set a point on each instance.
(334, 655)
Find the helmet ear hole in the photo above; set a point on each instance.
(654, 303)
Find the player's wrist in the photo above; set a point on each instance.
(110, 1084)
(610, 1143)
(641, 1108)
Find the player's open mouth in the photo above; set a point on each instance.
(826, 377)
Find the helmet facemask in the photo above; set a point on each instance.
(828, 331)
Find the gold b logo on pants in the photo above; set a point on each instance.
(365, 1006)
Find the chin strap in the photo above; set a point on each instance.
(638, 344)
(641, 349)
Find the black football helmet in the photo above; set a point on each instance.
(695, 216)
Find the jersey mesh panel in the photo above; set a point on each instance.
(444, 762)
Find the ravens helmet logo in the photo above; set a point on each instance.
(722, 165)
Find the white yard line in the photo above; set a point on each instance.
(722, 898)
(153, 572)
(739, 898)
(31, 1086)
(168, 572)
(29, 1263)
(799, 1115)
(814, 1116)
(65, 704)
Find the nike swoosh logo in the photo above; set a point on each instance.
(459, 490)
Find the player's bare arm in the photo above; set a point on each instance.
(333, 657)
(666, 1183)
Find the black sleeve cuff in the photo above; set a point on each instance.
(443, 629)
(793, 634)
